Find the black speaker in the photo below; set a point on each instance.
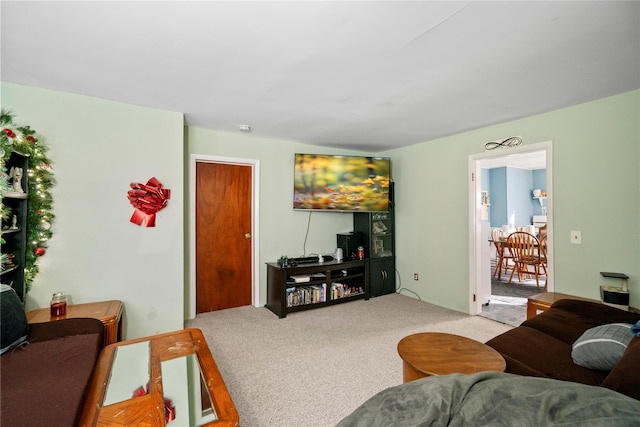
(349, 243)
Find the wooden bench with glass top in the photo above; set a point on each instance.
(169, 378)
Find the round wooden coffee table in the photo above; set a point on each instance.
(434, 353)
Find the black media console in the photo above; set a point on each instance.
(313, 285)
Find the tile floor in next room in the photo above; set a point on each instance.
(508, 303)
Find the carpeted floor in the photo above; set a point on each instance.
(314, 367)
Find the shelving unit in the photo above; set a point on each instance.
(14, 228)
(309, 286)
(541, 199)
(543, 203)
(378, 231)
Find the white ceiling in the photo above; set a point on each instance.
(364, 75)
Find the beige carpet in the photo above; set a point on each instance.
(313, 368)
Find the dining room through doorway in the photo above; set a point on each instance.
(533, 156)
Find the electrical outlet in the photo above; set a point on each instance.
(415, 276)
(576, 237)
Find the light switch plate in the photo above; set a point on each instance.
(576, 237)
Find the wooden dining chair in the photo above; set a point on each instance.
(526, 252)
(543, 252)
(542, 231)
(503, 256)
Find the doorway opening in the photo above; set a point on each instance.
(532, 156)
(253, 234)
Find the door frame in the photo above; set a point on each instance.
(475, 241)
(255, 214)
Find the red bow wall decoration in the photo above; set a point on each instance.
(147, 199)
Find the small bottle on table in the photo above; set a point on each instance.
(58, 304)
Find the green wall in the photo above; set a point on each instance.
(99, 147)
(282, 231)
(596, 176)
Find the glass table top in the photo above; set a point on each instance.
(186, 397)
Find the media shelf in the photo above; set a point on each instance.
(304, 287)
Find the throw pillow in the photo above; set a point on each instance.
(602, 347)
(13, 319)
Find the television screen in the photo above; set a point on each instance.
(341, 183)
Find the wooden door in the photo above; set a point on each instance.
(223, 236)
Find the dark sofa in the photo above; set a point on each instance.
(543, 384)
(542, 346)
(44, 377)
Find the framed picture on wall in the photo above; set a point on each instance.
(484, 198)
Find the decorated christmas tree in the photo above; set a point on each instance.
(26, 141)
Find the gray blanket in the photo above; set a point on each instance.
(495, 399)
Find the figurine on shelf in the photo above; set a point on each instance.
(16, 174)
(14, 222)
(8, 261)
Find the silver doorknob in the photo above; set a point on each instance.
(247, 235)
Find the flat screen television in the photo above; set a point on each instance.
(341, 183)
